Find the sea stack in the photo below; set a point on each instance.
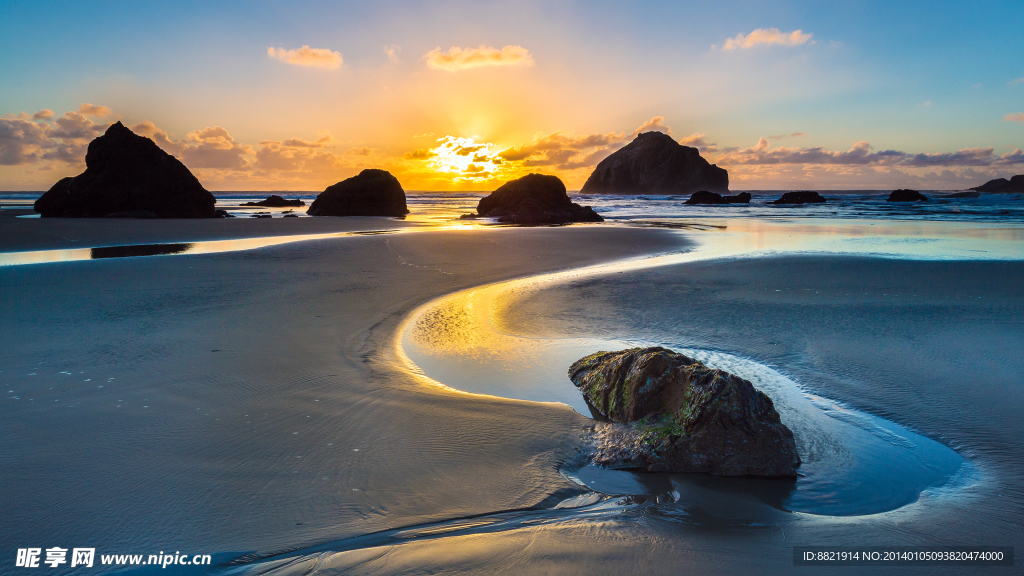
(682, 416)
(370, 193)
(904, 195)
(654, 163)
(534, 199)
(1014, 184)
(127, 175)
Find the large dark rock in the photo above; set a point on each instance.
(904, 195)
(128, 175)
(804, 197)
(1014, 184)
(655, 163)
(275, 201)
(370, 193)
(705, 197)
(534, 199)
(683, 416)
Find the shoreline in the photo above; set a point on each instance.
(426, 454)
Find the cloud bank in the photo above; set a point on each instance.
(766, 36)
(464, 58)
(306, 56)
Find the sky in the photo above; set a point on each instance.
(466, 95)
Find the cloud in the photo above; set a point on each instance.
(1018, 117)
(94, 110)
(862, 154)
(766, 36)
(28, 139)
(321, 142)
(782, 136)
(463, 58)
(306, 56)
(656, 124)
(699, 141)
(359, 151)
(419, 154)
(213, 147)
(565, 151)
(392, 51)
(1017, 81)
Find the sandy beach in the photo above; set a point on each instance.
(256, 405)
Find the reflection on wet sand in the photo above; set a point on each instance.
(461, 341)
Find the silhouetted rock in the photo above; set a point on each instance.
(800, 198)
(962, 195)
(371, 193)
(904, 195)
(682, 416)
(1014, 184)
(655, 163)
(222, 214)
(704, 197)
(275, 201)
(127, 174)
(534, 199)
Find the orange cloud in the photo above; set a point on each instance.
(94, 110)
(418, 154)
(1018, 117)
(463, 58)
(766, 36)
(306, 56)
(44, 114)
(392, 51)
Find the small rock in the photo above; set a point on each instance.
(904, 195)
(805, 197)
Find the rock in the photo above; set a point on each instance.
(904, 195)
(127, 173)
(1014, 184)
(371, 193)
(534, 199)
(962, 195)
(222, 214)
(275, 201)
(705, 197)
(655, 163)
(805, 197)
(682, 416)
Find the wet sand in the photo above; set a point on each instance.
(255, 402)
(250, 402)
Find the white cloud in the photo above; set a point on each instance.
(306, 56)
(462, 58)
(766, 36)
